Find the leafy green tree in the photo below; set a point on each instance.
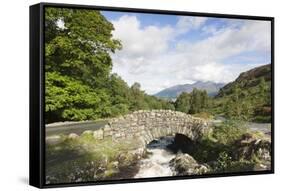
(137, 98)
(136, 88)
(119, 95)
(70, 99)
(78, 44)
(204, 99)
(236, 91)
(262, 86)
(194, 102)
(168, 105)
(183, 102)
(264, 89)
(119, 90)
(198, 101)
(157, 103)
(247, 110)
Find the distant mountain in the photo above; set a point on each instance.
(248, 80)
(174, 91)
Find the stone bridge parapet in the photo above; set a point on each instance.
(147, 125)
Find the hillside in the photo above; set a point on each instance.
(249, 79)
(174, 91)
(248, 97)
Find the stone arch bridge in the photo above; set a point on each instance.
(147, 125)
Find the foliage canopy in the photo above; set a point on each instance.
(79, 80)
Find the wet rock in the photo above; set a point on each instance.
(115, 164)
(73, 136)
(137, 154)
(260, 166)
(184, 164)
(249, 147)
(98, 134)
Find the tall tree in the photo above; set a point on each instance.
(119, 95)
(78, 44)
(137, 98)
(204, 99)
(195, 101)
(183, 102)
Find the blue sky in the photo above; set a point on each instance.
(161, 51)
(146, 19)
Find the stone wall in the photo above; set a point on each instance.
(145, 126)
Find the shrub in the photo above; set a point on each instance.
(229, 131)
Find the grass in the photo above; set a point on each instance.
(204, 115)
(86, 159)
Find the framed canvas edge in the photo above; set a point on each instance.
(37, 107)
(35, 96)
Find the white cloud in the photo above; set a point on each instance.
(147, 58)
(210, 29)
(218, 72)
(138, 42)
(186, 23)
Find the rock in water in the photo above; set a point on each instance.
(250, 147)
(184, 164)
(73, 136)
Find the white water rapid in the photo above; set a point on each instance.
(157, 163)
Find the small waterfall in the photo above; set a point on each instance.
(157, 163)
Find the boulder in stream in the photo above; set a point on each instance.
(184, 164)
(254, 149)
(249, 146)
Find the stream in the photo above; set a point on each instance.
(157, 162)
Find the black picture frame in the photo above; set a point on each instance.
(37, 92)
